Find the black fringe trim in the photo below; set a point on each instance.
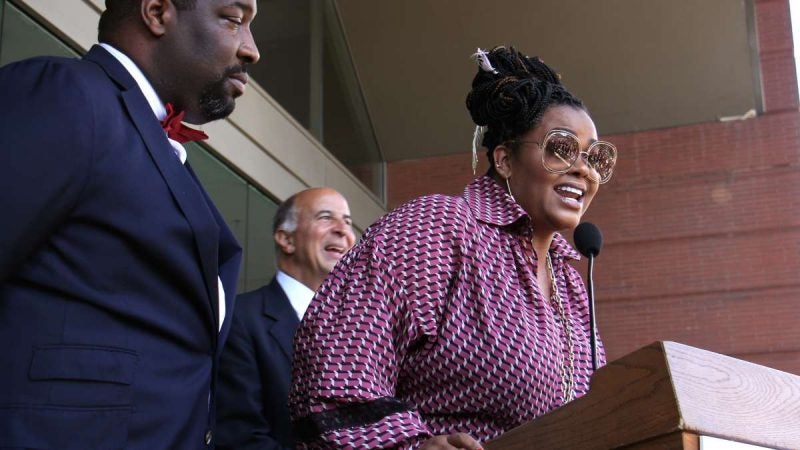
(356, 415)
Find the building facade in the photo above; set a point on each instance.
(701, 222)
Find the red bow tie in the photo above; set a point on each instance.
(176, 130)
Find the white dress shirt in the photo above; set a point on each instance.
(299, 294)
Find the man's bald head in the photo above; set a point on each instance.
(312, 231)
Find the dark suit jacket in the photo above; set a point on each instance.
(256, 372)
(109, 257)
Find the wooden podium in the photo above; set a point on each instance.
(668, 396)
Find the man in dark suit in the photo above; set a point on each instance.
(116, 270)
(312, 231)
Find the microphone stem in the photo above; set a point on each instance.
(592, 322)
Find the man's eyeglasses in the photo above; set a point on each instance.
(562, 148)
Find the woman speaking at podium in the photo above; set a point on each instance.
(455, 319)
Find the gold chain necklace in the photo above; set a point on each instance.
(567, 374)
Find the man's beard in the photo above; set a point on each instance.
(215, 101)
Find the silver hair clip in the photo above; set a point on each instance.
(482, 58)
(477, 139)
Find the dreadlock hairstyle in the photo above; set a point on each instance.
(510, 93)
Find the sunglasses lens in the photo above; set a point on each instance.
(560, 151)
(602, 158)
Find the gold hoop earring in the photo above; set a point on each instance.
(508, 186)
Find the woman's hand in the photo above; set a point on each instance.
(460, 441)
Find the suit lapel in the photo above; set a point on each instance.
(184, 189)
(278, 307)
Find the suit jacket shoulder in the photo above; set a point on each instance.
(109, 255)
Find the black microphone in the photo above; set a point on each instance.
(589, 241)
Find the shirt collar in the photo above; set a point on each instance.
(299, 294)
(150, 94)
(147, 89)
(490, 203)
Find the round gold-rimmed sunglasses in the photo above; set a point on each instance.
(562, 148)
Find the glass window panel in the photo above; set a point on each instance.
(23, 38)
(260, 255)
(246, 210)
(294, 44)
(347, 131)
(282, 33)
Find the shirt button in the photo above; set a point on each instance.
(209, 435)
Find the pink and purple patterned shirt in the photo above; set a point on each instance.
(434, 324)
